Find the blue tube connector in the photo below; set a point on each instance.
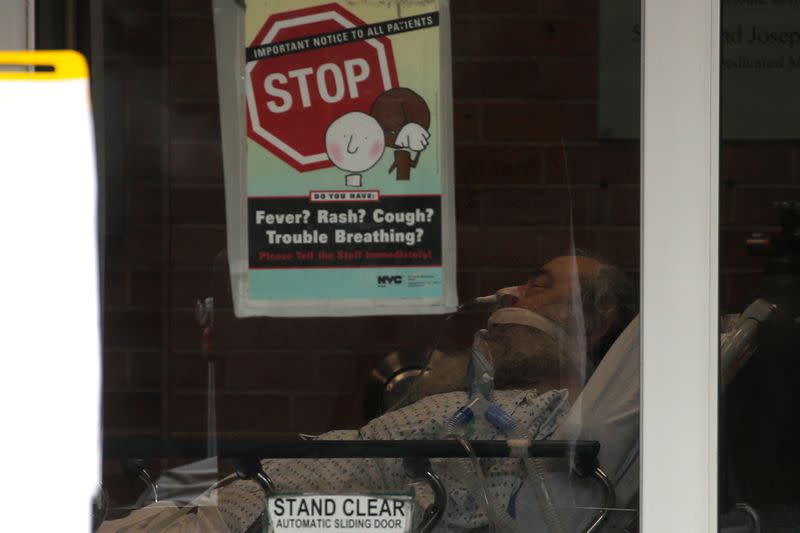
(501, 420)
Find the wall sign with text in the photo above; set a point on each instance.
(321, 513)
(760, 68)
(344, 202)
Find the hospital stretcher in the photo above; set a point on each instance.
(599, 438)
(416, 455)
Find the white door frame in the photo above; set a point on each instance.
(680, 233)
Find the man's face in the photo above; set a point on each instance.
(522, 356)
(550, 289)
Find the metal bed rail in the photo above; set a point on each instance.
(416, 455)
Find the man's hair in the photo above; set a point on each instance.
(609, 299)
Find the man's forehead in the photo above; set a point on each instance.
(567, 265)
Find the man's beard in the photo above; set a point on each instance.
(524, 357)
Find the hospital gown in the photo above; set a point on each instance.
(240, 503)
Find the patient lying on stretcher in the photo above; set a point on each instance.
(543, 342)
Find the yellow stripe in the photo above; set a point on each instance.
(67, 64)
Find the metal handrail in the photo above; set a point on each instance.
(610, 500)
(416, 455)
(583, 452)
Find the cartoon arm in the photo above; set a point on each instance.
(413, 137)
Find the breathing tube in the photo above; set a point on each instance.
(534, 466)
(468, 418)
(480, 386)
(460, 427)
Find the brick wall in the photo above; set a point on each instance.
(514, 103)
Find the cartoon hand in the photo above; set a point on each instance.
(413, 136)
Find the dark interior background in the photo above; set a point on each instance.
(525, 78)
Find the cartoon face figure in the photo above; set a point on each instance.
(355, 142)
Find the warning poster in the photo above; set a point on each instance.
(347, 193)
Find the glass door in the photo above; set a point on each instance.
(758, 266)
(550, 202)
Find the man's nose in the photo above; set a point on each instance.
(508, 297)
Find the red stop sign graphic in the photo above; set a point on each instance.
(292, 99)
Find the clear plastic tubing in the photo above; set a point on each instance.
(476, 484)
(534, 466)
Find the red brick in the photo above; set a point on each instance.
(468, 206)
(357, 333)
(579, 121)
(539, 122)
(620, 247)
(466, 37)
(189, 285)
(496, 79)
(234, 412)
(558, 242)
(146, 286)
(756, 163)
(613, 163)
(131, 7)
(738, 290)
(498, 165)
(131, 411)
(196, 163)
(146, 370)
(190, 371)
(467, 283)
(497, 247)
(185, 332)
(466, 121)
(143, 246)
(194, 121)
(493, 280)
(497, 7)
(115, 290)
(191, 36)
(144, 121)
(319, 413)
(525, 36)
(143, 162)
(625, 208)
(349, 333)
(564, 80)
(526, 207)
(727, 204)
(366, 364)
(115, 370)
(193, 79)
(134, 77)
(560, 80)
(196, 246)
(561, 206)
(144, 203)
(198, 6)
(184, 329)
(337, 374)
(229, 332)
(135, 329)
(569, 8)
(273, 371)
(135, 33)
(198, 205)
